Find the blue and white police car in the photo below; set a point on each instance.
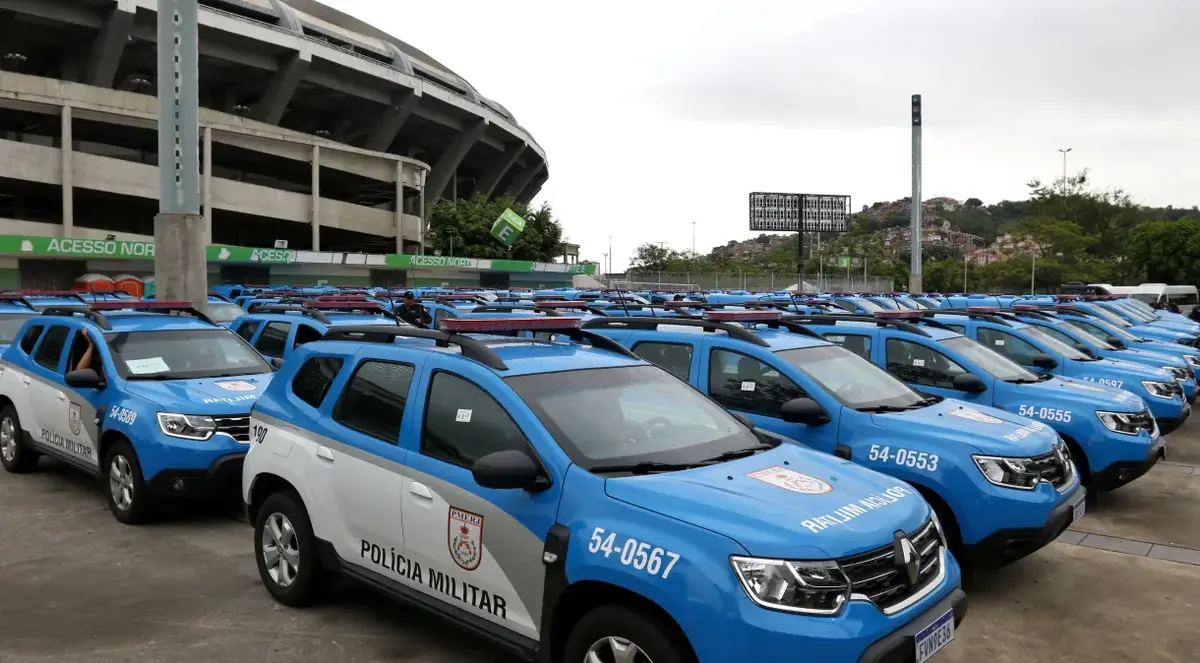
(571, 502)
(156, 406)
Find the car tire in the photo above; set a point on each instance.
(15, 455)
(286, 551)
(128, 498)
(606, 633)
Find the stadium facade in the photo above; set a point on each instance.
(317, 128)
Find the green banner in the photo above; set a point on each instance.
(223, 253)
(84, 249)
(59, 247)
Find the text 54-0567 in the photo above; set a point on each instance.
(631, 552)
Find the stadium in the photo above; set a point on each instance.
(317, 129)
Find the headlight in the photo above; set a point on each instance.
(1120, 422)
(1178, 372)
(1194, 360)
(186, 426)
(810, 588)
(1161, 389)
(1009, 472)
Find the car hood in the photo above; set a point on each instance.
(1127, 370)
(789, 503)
(1079, 396)
(985, 429)
(1149, 358)
(202, 396)
(1160, 333)
(1166, 347)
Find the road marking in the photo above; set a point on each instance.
(1131, 547)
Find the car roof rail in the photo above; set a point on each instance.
(292, 308)
(643, 322)
(95, 316)
(899, 325)
(1031, 311)
(995, 317)
(369, 307)
(153, 306)
(9, 298)
(491, 308)
(471, 348)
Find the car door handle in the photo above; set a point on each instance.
(61, 396)
(420, 490)
(324, 454)
(25, 379)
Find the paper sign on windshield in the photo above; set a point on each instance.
(149, 365)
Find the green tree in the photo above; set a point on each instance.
(1166, 251)
(467, 223)
(651, 257)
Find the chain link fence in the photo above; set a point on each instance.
(682, 281)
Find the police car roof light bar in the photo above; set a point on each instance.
(529, 308)
(645, 322)
(457, 298)
(344, 305)
(152, 306)
(743, 316)
(95, 316)
(983, 309)
(973, 312)
(561, 303)
(471, 348)
(905, 314)
(515, 323)
(292, 308)
(16, 299)
(834, 319)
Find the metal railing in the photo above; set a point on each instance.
(743, 281)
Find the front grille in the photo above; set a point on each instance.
(1052, 468)
(875, 576)
(237, 427)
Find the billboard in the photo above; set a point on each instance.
(792, 212)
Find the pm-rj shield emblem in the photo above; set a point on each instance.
(76, 418)
(464, 535)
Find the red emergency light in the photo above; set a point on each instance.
(983, 309)
(905, 314)
(457, 298)
(152, 305)
(49, 293)
(561, 303)
(523, 323)
(342, 298)
(743, 316)
(1027, 307)
(539, 298)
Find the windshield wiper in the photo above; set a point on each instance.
(877, 409)
(734, 454)
(157, 378)
(645, 467)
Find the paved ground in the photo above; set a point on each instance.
(76, 586)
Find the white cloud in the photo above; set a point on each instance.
(657, 114)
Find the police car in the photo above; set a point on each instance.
(14, 311)
(573, 503)
(276, 330)
(785, 378)
(158, 408)
(1111, 433)
(1121, 338)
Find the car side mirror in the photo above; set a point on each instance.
(84, 378)
(970, 383)
(277, 362)
(1045, 361)
(803, 411)
(1117, 343)
(509, 470)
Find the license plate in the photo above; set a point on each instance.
(932, 638)
(1079, 508)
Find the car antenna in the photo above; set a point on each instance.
(625, 305)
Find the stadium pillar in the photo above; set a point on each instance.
(68, 174)
(497, 170)
(180, 269)
(423, 212)
(391, 120)
(521, 181)
(447, 164)
(399, 206)
(106, 51)
(206, 189)
(315, 218)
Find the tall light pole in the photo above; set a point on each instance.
(914, 275)
(610, 254)
(1064, 153)
(693, 239)
(180, 236)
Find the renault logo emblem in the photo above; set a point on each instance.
(906, 558)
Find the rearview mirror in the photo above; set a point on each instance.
(508, 470)
(970, 383)
(84, 378)
(803, 411)
(1045, 361)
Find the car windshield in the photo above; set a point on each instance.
(993, 363)
(886, 304)
(1088, 336)
(868, 305)
(630, 414)
(222, 312)
(10, 324)
(854, 381)
(1109, 316)
(1095, 328)
(1147, 297)
(1056, 346)
(183, 354)
(1136, 314)
(1084, 338)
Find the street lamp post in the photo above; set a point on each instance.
(1064, 153)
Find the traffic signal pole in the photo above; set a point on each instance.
(180, 235)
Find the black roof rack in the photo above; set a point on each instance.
(94, 316)
(471, 348)
(995, 317)
(642, 322)
(291, 308)
(900, 325)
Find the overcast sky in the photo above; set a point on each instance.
(656, 113)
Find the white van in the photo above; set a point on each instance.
(1155, 294)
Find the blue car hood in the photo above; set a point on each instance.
(987, 430)
(789, 502)
(1159, 333)
(1149, 358)
(1168, 348)
(1080, 396)
(203, 396)
(1126, 371)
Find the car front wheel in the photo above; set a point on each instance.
(14, 454)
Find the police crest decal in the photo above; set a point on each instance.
(76, 418)
(464, 534)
